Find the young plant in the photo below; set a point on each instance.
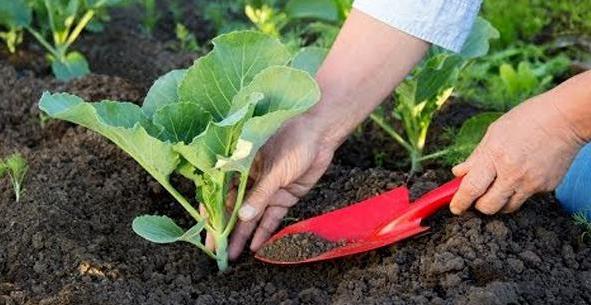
(422, 94)
(186, 39)
(64, 21)
(15, 166)
(205, 123)
(14, 16)
(585, 223)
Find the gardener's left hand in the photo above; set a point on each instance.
(526, 151)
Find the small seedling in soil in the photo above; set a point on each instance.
(14, 16)
(64, 21)
(581, 220)
(15, 166)
(186, 39)
(205, 123)
(297, 247)
(421, 95)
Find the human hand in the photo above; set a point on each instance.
(528, 150)
(286, 168)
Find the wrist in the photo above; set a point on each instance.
(573, 100)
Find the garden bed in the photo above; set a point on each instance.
(69, 241)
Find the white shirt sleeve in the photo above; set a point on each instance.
(446, 23)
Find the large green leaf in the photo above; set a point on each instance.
(181, 122)
(15, 13)
(121, 123)
(438, 75)
(326, 10)
(234, 61)
(218, 138)
(72, 66)
(287, 92)
(163, 92)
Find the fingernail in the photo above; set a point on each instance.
(247, 212)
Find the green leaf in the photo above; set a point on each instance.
(181, 122)
(163, 92)
(439, 74)
(470, 134)
(193, 235)
(15, 13)
(287, 92)
(234, 61)
(309, 59)
(121, 123)
(72, 66)
(218, 138)
(17, 165)
(478, 42)
(326, 10)
(157, 229)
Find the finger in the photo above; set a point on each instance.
(231, 199)
(474, 184)
(496, 197)
(269, 223)
(515, 202)
(462, 169)
(259, 197)
(239, 237)
(209, 241)
(279, 204)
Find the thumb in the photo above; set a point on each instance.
(259, 197)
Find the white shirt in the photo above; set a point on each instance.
(446, 23)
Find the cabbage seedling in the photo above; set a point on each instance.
(14, 15)
(422, 94)
(64, 20)
(205, 123)
(15, 166)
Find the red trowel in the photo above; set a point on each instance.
(370, 224)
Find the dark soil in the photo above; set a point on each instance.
(297, 247)
(69, 241)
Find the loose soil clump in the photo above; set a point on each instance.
(297, 247)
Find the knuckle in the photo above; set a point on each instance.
(487, 208)
(472, 188)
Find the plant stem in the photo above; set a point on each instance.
(79, 27)
(43, 42)
(237, 204)
(378, 119)
(435, 154)
(415, 162)
(221, 252)
(186, 204)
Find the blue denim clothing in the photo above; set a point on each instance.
(445, 23)
(574, 192)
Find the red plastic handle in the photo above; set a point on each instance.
(426, 205)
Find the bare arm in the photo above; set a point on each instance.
(368, 59)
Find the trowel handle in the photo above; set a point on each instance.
(424, 207)
(434, 200)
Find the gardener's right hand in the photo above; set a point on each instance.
(286, 168)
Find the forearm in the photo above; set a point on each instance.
(367, 61)
(573, 99)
